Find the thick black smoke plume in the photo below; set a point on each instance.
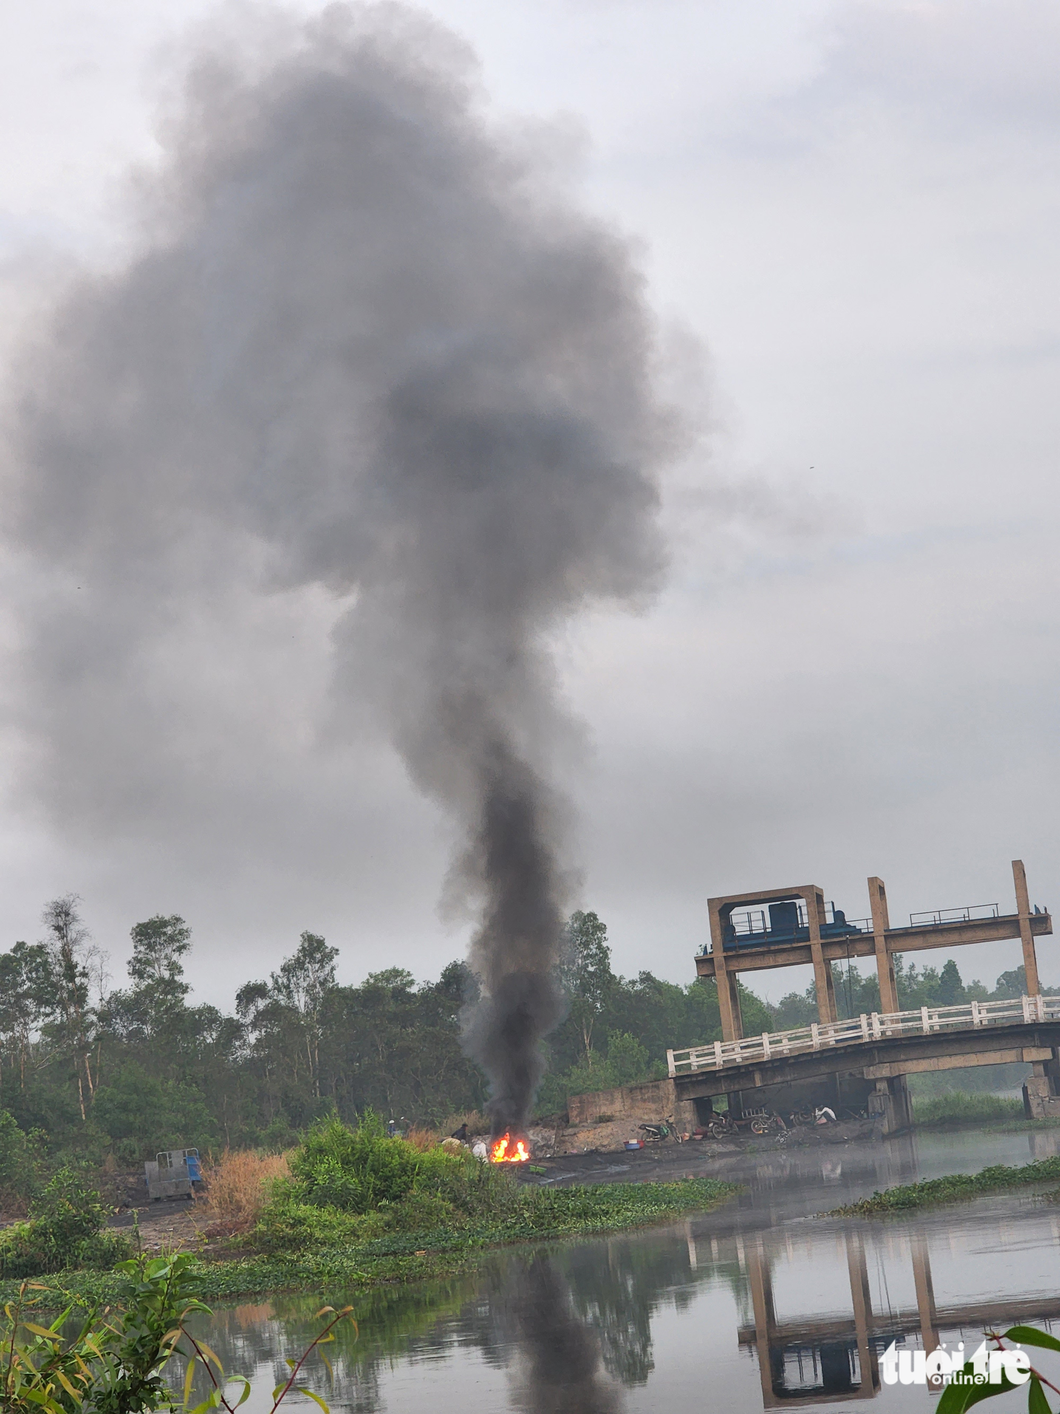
(367, 343)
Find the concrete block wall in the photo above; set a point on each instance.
(655, 1100)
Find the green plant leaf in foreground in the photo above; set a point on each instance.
(1030, 1335)
(956, 1398)
(1036, 1400)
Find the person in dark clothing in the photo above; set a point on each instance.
(461, 1133)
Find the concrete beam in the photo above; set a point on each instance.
(945, 935)
(979, 1315)
(928, 1064)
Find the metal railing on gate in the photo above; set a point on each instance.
(935, 917)
(873, 1027)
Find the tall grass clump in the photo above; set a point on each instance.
(477, 1123)
(959, 1107)
(238, 1186)
(422, 1138)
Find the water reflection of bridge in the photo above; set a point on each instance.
(828, 1358)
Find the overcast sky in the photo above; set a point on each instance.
(850, 208)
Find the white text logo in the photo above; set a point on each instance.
(988, 1367)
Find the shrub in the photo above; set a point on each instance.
(420, 1211)
(951, 1187)
(279, 1134)
(19, 1156)
(625, 1062)
(286, 1225)
(113, 1362)
(66, 1229)
(355, 1170)
(339, 1174)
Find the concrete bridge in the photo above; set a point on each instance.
(883, 1049)
(787, 927)
(791, 926)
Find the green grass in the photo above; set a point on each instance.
(950, 1189)
(537, 1214)
(956, 1107)
(960, 1107)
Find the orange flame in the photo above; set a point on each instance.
(507, 1151)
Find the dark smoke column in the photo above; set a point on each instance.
(369, 342)
(516, 947)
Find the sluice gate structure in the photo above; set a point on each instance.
(788, 927)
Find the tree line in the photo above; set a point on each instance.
(122, 1072)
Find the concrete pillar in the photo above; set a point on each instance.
(925, 1300)
(684, 1116)
(728, 993)
(889, 1103)
(1023, 908)
(1040, 1090)
(884, 962)
(728, 1003)
(862, 1302)
(760, 1280)
(822, 970)
(735, 1010)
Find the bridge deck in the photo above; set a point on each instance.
(966, 1019)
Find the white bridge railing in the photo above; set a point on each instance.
(875, 1027)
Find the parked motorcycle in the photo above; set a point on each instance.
(802, 1116)
(759, 1122)
(655, 1133)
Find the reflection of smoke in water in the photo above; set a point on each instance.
(369, 346)
(560, 1370)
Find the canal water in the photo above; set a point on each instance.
(761, 1304)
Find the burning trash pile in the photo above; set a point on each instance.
(505, 1150)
